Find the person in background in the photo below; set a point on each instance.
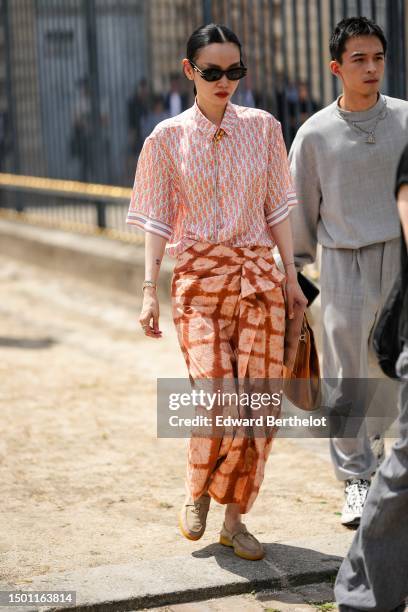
(300, 108)
(90, 136)
(154, 116)
(343, 159)
(139, 106)
(175, 102)
(374, 575)
(245, 95)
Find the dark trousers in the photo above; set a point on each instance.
(374, 574)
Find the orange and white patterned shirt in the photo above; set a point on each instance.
(193, 185)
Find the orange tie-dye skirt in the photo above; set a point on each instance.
(229, 312)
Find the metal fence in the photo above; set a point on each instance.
(83, 81)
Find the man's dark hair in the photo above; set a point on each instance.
(349, 28)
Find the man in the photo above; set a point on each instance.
(374, 575)
(139, 105)
(175, 102)
(153, 117)
(343, 160)
(89, 140)
(300, 106)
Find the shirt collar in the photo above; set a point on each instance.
(208, 127)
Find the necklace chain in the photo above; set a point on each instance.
(370, 133)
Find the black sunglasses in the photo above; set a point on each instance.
(215, 74)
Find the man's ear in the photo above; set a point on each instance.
(335, 67)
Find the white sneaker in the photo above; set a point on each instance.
(355, 490)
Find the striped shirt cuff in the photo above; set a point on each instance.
(291, 199)
(280, 213)
(149, 225)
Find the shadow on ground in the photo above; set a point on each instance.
(27, 343)
(283, 565)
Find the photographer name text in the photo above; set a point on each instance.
(259, 421)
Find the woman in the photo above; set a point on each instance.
(214, 183)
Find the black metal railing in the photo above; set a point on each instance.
(82, 82)
(82, 207)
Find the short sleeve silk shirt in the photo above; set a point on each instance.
(192, 186)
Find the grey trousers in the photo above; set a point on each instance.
(354, 288)
(374, 575)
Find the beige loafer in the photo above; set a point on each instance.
(245, 545)
(193, 517)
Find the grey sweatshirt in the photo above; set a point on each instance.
(345, 186)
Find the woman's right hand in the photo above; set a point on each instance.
(150, 310)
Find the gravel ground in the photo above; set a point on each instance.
(84, 479)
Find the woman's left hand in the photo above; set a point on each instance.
(294, 296)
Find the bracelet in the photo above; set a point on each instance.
(291, 263)
(149, 283)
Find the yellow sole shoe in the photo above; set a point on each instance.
(225, 540)
(185, 533)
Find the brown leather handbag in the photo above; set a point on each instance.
(301, 371)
